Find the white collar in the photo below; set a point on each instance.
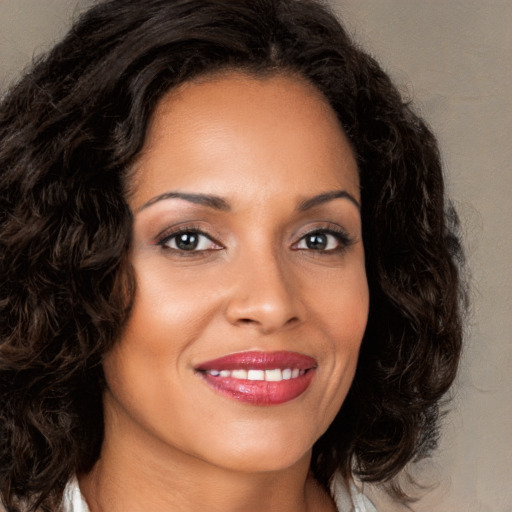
(72, 499)
(348, 497)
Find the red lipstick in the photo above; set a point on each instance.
(259, 378)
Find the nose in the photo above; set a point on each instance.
(264, 295)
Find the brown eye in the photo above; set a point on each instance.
(189, 241)
(316, 241)
(323, 241)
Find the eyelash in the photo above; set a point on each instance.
(341, 236)
(164, 239)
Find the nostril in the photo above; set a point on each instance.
(292, 320)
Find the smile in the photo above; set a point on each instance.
(259, 378)
(274, 375)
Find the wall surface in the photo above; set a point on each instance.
(453, 59)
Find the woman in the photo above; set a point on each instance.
(229, 280)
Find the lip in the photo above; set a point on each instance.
(260, 392)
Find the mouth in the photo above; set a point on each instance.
(259, 378)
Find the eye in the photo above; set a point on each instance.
(189, 240)
(323, 241)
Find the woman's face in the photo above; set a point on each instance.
(251, 297)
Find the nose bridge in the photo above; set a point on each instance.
(263, 291)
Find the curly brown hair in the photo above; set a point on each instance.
(69, 131)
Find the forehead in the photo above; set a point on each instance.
(276, 129)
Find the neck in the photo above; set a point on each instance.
(138, 473)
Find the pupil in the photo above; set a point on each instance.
(187, 241)
(318, 242)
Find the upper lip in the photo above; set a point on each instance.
(260, 361)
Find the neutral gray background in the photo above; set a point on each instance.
(453, 59)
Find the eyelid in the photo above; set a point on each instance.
(164, 236)
(344, 238)
(341, 234)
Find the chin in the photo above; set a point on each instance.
(258, 452)
(265, 462)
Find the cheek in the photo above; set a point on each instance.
(350, 318)
(134, 362)
(143, 373)
(340, 303)
(170, 309)
(340, 308)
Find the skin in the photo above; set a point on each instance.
(265, 146)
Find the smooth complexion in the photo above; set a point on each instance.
(247, 238)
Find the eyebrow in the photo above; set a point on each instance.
(215, 202)
(325, 197)
(218, 203)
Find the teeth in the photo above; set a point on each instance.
(256, 375)
(275, 375)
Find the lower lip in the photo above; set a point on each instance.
(260, 392)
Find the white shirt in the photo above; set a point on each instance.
(347, 499)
